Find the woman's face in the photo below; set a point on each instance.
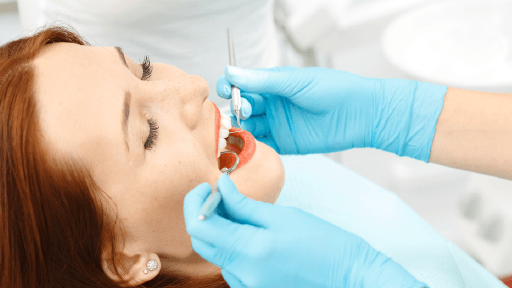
(94, 107)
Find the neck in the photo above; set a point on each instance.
(193, 265)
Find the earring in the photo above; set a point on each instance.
(152, 265)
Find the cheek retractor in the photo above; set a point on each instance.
(224, 132)
(214, 198)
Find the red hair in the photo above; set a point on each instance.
(54, 228)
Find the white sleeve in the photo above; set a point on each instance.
(191, 35)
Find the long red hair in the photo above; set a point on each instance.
(54, 228)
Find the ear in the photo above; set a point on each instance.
(136, 267)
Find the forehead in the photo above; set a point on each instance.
(77, 91)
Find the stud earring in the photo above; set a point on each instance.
(152, 265)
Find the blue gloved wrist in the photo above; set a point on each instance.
(406, 114)
(372, 268)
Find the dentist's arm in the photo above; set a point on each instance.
(258, 244)
(318, 110)
(474, 132)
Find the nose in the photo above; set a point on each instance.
(202, 86)
(188, 90)
(194, 92)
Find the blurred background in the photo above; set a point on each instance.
(463, 44)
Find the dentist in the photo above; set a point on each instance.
(318, 110)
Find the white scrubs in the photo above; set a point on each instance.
(192, 35)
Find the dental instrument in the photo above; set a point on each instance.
(214, 199)
(235, 92)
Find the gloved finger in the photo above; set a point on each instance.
(204, 249)
(256, 101)
(231, 279)
(269, 142)
(242, 209)
(228, 239)
(266, 81)
(246, 109)
(215, 230)
(279, 69)
(223, 87)
(204, 230)
(256, 125)
(193, 203)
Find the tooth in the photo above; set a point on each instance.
(223, 133)
(225, 115)
(225, 122)
(222, 143)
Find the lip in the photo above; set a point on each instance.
(244, 155)
(217, 127)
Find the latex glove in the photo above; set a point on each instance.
(258, 244)
(320, 110)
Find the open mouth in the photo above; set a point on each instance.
(242, 142)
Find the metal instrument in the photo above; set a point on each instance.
(235, 92)
(214, 198)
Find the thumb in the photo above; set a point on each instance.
(242, 209)
(231, 279)
(280, 81)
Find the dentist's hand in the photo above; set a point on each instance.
(319, 110)
(258, 244)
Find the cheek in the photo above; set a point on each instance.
(265, 178)
(176, 176)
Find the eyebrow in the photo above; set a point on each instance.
(126, 102)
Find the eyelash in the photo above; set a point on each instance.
(147, 68)
(153, 134)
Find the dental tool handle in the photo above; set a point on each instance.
(213, 200)
(211, 203)
(235, 92)
(231, 48)
(237, 103)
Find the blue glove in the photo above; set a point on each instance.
(319, 110)
(258, 244)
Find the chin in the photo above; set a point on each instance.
(262, 178)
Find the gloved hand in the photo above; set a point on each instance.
(319, 110)
(258, 244)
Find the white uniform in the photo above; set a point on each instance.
(189, 34)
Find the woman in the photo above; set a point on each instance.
(97, 155)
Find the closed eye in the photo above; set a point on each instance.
(153, 134)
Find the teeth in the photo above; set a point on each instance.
(223, 133)
(225, 125)
(222, 145)
(225, 122)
